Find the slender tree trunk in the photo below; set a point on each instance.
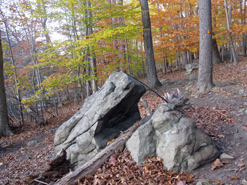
(190, 57)
(230, 37)
(184, 57)
(243, 44)
(92, 59)
(47, 36)
(128, 56)
(243, 34)
(153, 81)
(222, 53)
(216, 54)
(205, 76)
(4, 124)
(164, 65)
(18, 93)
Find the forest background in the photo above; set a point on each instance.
(60, 51)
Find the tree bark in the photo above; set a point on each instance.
(4, 124)
(92, 59)
(184, 57)
(216, 54)
(92, 165)
(243, 34)
(18, 93)
(153, 81)
(230, 37)
(205, 76)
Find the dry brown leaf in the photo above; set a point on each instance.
(240, 165)
(112, 160)
(97, 182)
(217, 164)
(245, 128)
(217, 182)
(242, 169)
(233, 178)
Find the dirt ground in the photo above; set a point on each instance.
(229, 97)
(220, 113)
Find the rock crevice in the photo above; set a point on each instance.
(103, 116)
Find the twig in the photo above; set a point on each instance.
(40, 182)
(148, 88)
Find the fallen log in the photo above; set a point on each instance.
(90, 167)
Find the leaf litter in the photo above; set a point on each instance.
(19, 162)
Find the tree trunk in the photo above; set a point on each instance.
(184, 57)
(4, 124)
(18, 93)
(164, 65)
(205, 77)
(230, 37)
(216, 54)
(153, 81)
(92, 70)
(243, 34)
(222, 53)
(243, 44)
(190, 57)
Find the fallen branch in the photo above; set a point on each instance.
(96, 162)
(148, 87)
(40, 182)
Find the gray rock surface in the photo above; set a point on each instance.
(142, 143)
(173, 138)
(225, 156)
(192, 77)
(190, 68)
(33, 142)
(103, 116)
(244, 182)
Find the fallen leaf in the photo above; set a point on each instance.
(227, 162)
(233, 178)
(221, 136)
(245, 128)
(218, 182)
(240, 165)
(112, 160)
(217, 164)
(110, 142)
(242, 169)
(181, 183)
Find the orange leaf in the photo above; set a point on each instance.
(217, 164)
(234, 178)
(218, 182)
(240, 165)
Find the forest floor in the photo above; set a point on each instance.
(220, 114)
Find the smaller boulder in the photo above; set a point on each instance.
(173, 138)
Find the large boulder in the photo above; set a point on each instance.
(103, 117)
(173, 138)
